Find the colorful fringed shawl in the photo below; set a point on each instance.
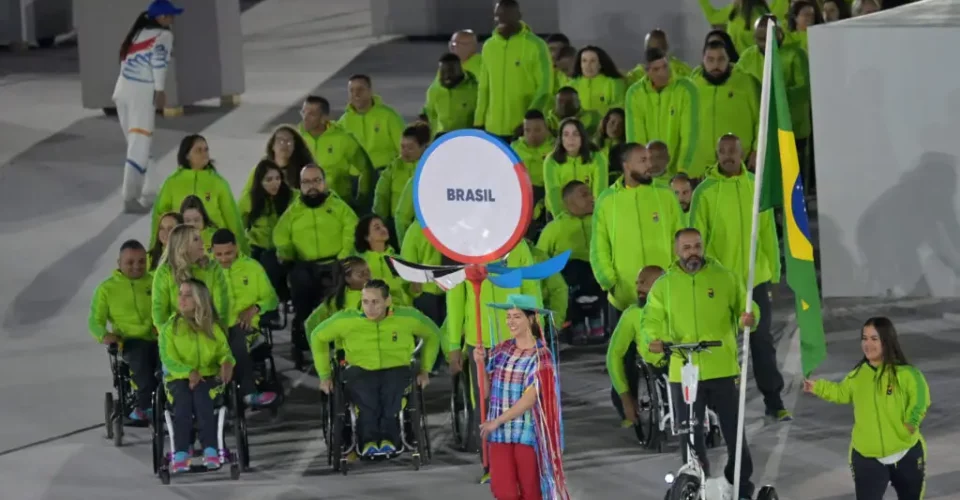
(548, 422)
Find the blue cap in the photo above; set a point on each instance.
(159, 8)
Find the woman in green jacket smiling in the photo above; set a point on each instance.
(890, 398)
(597, 80)
(372, 242)
(185, 259)
(261, 207)
(197, 176)
(574, 158)
(194, 350)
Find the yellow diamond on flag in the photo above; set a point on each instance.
(804, 305)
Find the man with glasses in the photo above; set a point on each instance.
(311, 235)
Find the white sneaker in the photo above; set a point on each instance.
(717, 488)
(135, 207)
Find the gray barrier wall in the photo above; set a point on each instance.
(207, 58)
(616, 25)
(33, 21)
(887, 152)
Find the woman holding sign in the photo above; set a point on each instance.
(523, 422)
(890, 398)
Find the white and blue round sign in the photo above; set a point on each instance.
(472, 196)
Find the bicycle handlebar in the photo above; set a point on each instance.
(693, 347)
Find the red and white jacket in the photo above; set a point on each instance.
(146, 61)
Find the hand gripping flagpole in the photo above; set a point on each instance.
(754, 233)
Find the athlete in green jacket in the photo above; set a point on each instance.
(184, 259)
(574, 159)
(517, 73)
(796, 74)
(317, 226)
(657, 39)
(378, 341)
(890, 399)
(348, 295)
(600, 93)
(571, 229)
(375, 124)
(395, 176)
(739, 24)
(633, 227)
(728, 103)
(534, 146)
(123, 301)
(553, 289)
(404, 213)
(452, 97)
(664, 107)
(339, 152)
(566, 104)
(197, 176)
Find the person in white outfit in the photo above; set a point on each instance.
(144, 55)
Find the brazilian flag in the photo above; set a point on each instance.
(782, 186)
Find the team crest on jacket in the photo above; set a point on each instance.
(330, 150)
(889, 389)
(394, 336)
(710, 292)
(246, 281)
(376, 127)
(656, 217)
(730, 95)
(206, 196)
(603, 98)
(673, 111)
(517, 63)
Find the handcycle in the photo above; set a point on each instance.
(117, 406)
(227, 401)
(690, 481)
(340, 419)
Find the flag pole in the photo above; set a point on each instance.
(754, 233)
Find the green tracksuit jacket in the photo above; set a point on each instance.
(404, 213)
(556, 294)
(260, 233)
(556, 175)
(461, 318)
(628, 331)
(183, 350)
(678, 69)
(390, 186)
(343, 159)
(883, 401)
(796, 74)
(517, 76)
(380, 270)
(249, 286)
(741, 32)
(669, 115)
(322, 233)
(722, 209)
(125, 304)
(454, 108)
(632, 228)
(378, 129)
(567, 232)
(376, 345)
(166, 290)
(351, 300)
(733, 107)
(600, 93)
(211, 188)
(588, 117)
(533, 157)
(417, 249)
(686, 308)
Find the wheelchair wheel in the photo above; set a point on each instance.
(165, 476)
(464, 418)
(158, 434)
(768, 493)
(417, 425)
(686, 487)
(713, 437)
(648, 406)
(239, 429)
(108, 414)
(338, 417)
(425, 427)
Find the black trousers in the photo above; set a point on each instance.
(311, 282)
(378, 395)
(243, 370)
(723, 396)
(763, 352)
(582, 283)
(908, 476)
(143, 358)
(275, 271)
(188, 404)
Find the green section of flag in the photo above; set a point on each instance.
(783, 188)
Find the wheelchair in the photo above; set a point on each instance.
(586, 301)
(265, 368)
(464, 418)
(228, 412)
(340, 420)
(117, 407)
(655, 405)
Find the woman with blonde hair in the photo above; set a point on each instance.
(193, 351)
(184, 258)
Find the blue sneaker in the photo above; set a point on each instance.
(260, 399)
(138, 415)
(211, 459)
(370, 450)
(181, 462)
(387, 448)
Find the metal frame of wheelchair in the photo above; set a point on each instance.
(660, 423)
(117, 407)
(464, 419)
(265, 369)
(336, 408)
(229, 400)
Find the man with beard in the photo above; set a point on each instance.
(312, 234)
(659, 163)
(567, 105)
(722, 209)
(728, 103)
(696, 300)
(451, 98)
(625, 343)
(683, 188)
(633, 227)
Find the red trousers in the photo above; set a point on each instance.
(514, 472)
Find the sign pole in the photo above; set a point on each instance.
(476, 274)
